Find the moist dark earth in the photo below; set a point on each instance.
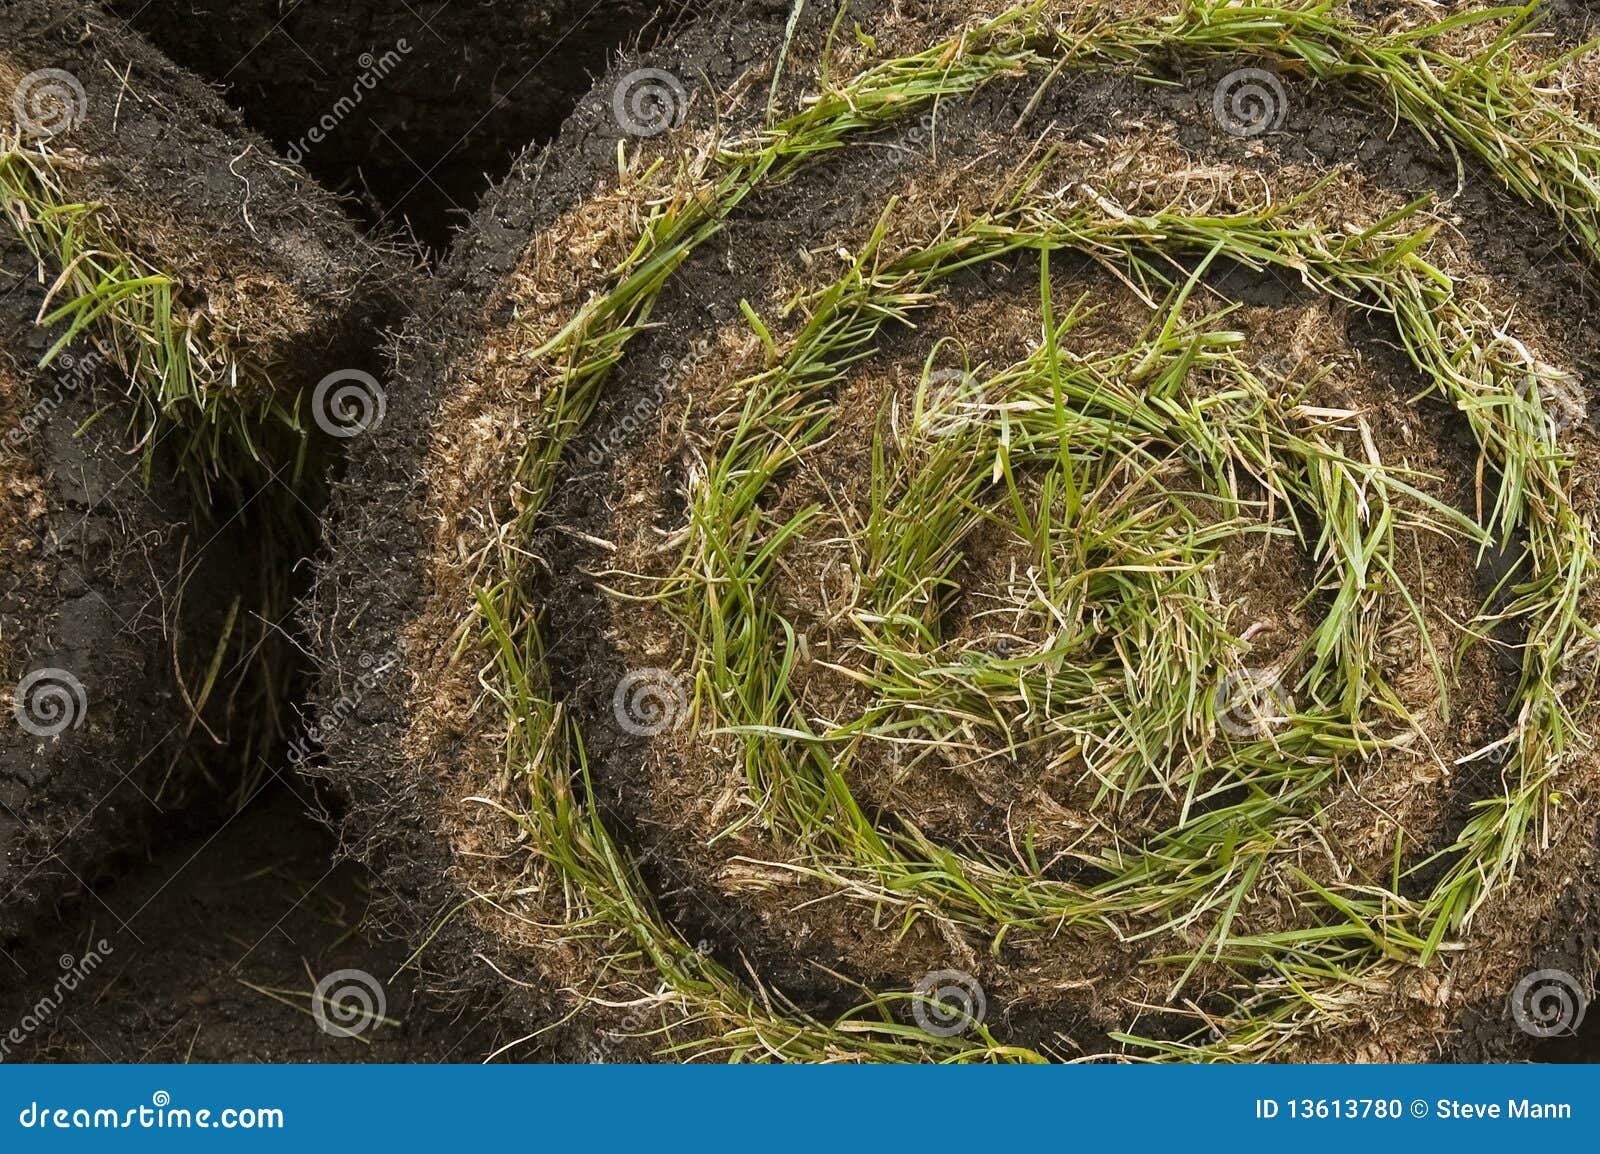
(456, 89)
(218, 934)
(210, 948)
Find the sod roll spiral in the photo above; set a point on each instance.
(954, 550)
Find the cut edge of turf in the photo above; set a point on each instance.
(184, 368)
(1508, 423)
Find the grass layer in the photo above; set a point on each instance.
(1354, 937)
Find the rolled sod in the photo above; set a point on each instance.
(937, 547)
(189, 332)
(228, 283)
(114, 602)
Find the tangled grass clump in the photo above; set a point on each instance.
(184, 369)
(1117, 478)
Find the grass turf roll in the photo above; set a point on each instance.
(945, 549)
(114, 602)
(222, 278)
(186, 315)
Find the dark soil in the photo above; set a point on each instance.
(186, 947)
(441, 95)
(112, 581)
(1568, 940)
(129, 573)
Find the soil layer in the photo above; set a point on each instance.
(113, 601)
(411, 108)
